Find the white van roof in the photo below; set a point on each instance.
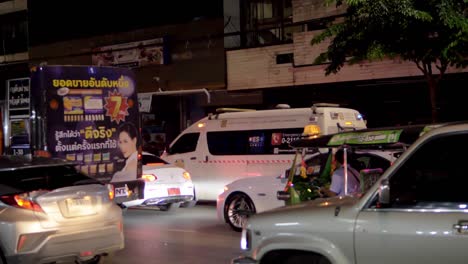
(231, 113)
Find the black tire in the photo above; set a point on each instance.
(2, 257)
(107, 258)
(168, 207)
(188, 204)
(307, 258)
(237, 209)
(103, 259)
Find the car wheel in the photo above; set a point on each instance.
(103, 259)
(307, 258)
(107, 258)
(168, 207)
(237, 209)
(189, 204)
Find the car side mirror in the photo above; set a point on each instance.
(384, 193)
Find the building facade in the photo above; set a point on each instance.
(14, 71)
(272, 52)
(257, 54)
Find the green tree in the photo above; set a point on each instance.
(431, 33)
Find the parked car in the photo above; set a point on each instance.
(415, 213)
(247, 196)
(166, 185)
(50, 212)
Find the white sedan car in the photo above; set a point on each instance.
(248, 196)
(166, 185)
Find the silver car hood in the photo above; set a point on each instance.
(320, 203)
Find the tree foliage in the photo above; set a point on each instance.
(430, 33)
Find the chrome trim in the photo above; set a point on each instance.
(419, 210)
(169, 199)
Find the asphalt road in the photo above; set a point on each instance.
(182, 236)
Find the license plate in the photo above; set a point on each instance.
(173, 191)
(77, 207)
(121, 192)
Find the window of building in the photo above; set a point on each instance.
(14, 33)
(284, 58)
(265, 22)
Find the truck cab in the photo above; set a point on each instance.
(415, 213)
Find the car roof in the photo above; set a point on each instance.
(10, 163)
(406, 135)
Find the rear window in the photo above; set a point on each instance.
(149, 159)
(46, 178)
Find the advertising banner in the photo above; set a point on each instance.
(369, 138)
(18, 94)
(92, 119)
(132, 54)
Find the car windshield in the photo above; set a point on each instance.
(151, 159)
(41, 178)
(313, 173)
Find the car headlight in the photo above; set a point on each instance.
(246, 238)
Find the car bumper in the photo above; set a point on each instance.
(243, 260)
(160, 200)
(72, 246)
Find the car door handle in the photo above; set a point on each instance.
(462, 227)
(193, 158)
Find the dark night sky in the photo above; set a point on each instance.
(52, 20)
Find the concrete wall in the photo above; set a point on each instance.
(196, 50)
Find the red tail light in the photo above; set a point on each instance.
(149, 177)
(22, 201)
(21, 241)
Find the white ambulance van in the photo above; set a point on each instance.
(237, 143)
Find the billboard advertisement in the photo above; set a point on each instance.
(91, 118)
(132, 54)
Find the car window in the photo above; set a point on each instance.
(43, 178)
(151, 159)
(314, 165)
(186, 143)
(253, 142)
(369, 161)
(434, 175)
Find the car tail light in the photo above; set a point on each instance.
(22, 201)
(149, 177)
(155, 164)
(186, 175)
(111, 192)
(86, 253)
